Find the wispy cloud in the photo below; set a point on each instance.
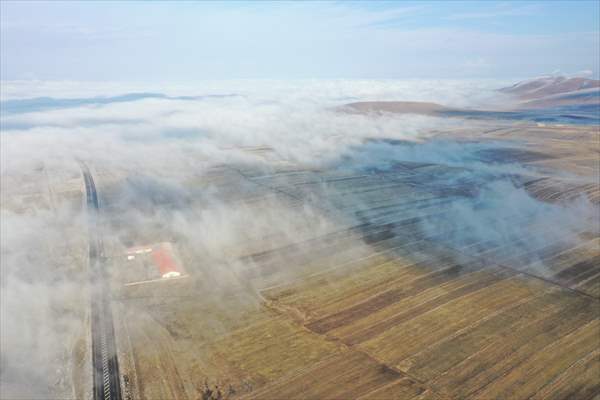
(506, 10)
(131, 41)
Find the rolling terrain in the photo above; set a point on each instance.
(255, 249)
(386, 302)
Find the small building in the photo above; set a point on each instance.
(152, 262)
(163, 257)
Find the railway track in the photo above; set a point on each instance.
(105, 365)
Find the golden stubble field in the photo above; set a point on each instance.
(379, 309)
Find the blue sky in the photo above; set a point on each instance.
(185, 41)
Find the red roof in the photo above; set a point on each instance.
(164, 260)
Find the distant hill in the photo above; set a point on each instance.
(548, 86)
(396, 107)
(549, 100)
(555, 91)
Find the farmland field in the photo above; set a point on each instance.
(392, 300)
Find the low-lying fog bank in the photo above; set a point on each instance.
(151, 148)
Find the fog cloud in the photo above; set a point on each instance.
(172, 168)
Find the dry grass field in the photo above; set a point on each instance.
(377, 306)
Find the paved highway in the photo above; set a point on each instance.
(104, 355)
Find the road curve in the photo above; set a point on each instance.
(104, 355)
